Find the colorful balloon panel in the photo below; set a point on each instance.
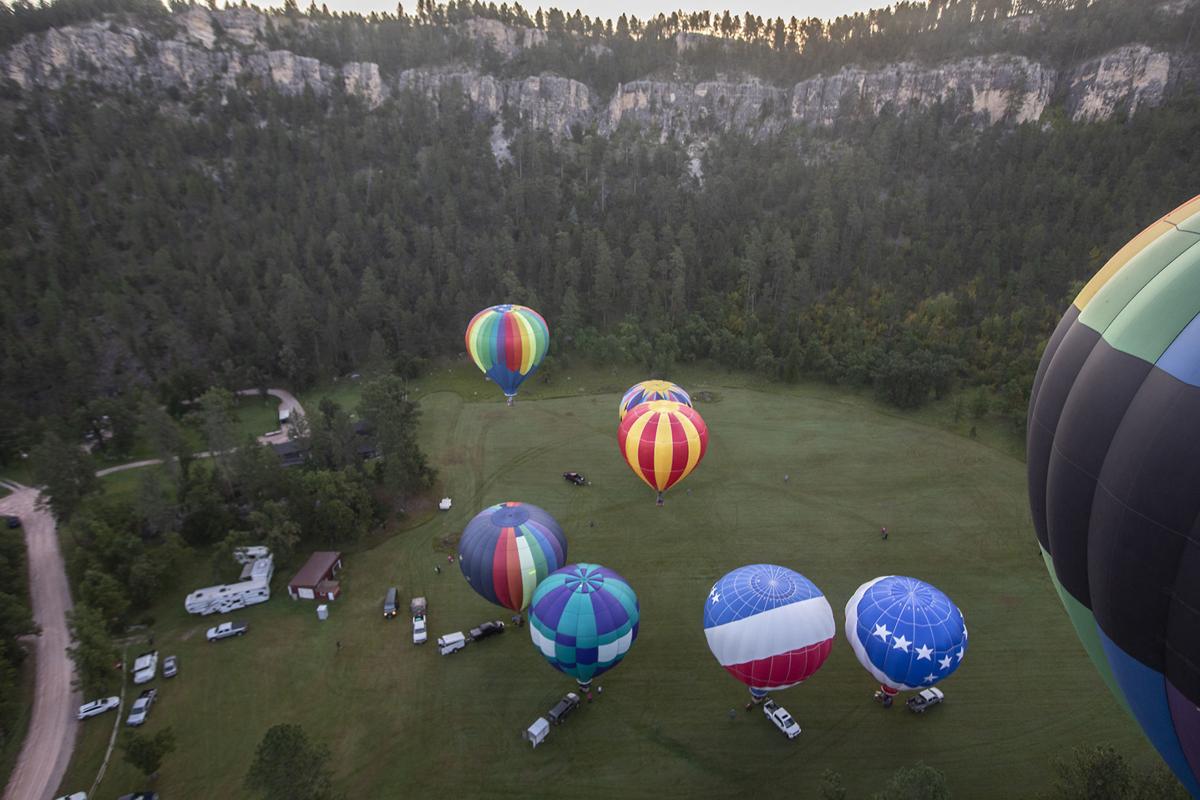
(583, 620)
(662, 442)
(508, 549)
(648, 391)
(768, 626)
(907, 633)
(508, 342)
(1114, 478)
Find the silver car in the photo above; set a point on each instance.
(170, 667)
(97, 707)
(141, 707)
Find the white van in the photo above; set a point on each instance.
(450, 642)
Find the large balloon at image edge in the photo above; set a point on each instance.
(662, 442)
(768, 626)
(507, 342)
(907, 633)
(649, 391)
(583, 620)
(508, 549)
(1113, 463)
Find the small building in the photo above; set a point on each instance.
(290, 453)
(366, 445)
(315, 580)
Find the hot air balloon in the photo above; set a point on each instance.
(769, 626)
(907, 633)
(584, 619)
(662, 441)
(508, 342)
(507, 550)
(648, 391)
(1114, 478)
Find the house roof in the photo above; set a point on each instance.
(318, 565)
(288, 448)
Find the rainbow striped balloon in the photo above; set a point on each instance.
(508, 549)
(662, 441)
(508, 342)
(647, 391)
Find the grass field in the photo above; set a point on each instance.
(403, 721)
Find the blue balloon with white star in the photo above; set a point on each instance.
(907, 633)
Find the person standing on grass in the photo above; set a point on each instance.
(883, 534)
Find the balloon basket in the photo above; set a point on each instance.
(509, 399)
(659, 500)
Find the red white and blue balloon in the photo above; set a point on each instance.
(907, 633)
(770, 627)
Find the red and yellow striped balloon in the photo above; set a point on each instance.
(662, 441)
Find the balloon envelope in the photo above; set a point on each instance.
(584, 618)
(662, 442)
(768, 626)
(647, 391)
(907, 633)
(1114, 478)
(508, 549)
(508, 342)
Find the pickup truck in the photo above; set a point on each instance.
(225, 630)
(924, 699)
(417, 609)
(781, 719)
(145, 667)
(486, 629)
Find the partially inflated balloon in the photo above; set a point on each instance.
(662, 442)
(768, 626)
(907, 633)
(583, 619)
(508, 549)
(648, 391)
(1114, 478)
(508, 342)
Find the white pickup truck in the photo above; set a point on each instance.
(145, 667)
(417, 607)
(226, 630)
(781, 718)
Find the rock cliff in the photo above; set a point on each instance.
(227, 49)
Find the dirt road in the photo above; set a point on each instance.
(52, 725)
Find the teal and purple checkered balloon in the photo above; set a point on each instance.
(583, 619)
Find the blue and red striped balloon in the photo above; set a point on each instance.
(768, 626)
(508, 549)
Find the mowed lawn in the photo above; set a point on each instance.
(402, 721)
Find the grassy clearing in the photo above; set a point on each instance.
(401, 719)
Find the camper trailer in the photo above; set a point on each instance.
(253, 587)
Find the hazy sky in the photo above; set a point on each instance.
(611, 9)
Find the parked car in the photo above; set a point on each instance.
(139, 796)
(75, 796)
(145, 667)
(781, 718)
(924, 699)
(490, 628)
(170, 667)
(390, 603)
(575, 478)
(416, 607)
(141, 707)
(451, 642)
(563, 708)
(12, 521)
(97, 707)
(226, 629)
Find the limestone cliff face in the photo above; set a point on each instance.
(228, 50)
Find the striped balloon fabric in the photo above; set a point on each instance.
(768, 626)
(907, 633)
(648, 391)
(508, 549)
(662, 441)
(584, 618)
(508, 342)
(1114, 478)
